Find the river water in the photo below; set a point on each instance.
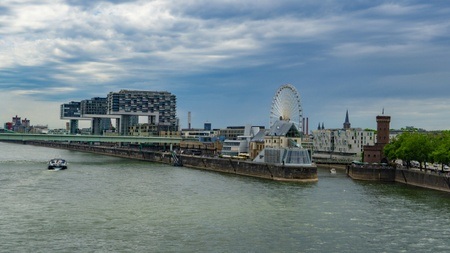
(108, 204)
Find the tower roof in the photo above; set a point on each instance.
(347, 121)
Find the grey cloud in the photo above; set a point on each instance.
(91, 3)
(4, 10)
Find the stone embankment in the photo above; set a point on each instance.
(225, 165)
(428, 179)
(247, 168)
(420, 178)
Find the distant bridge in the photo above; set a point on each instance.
(87, 138)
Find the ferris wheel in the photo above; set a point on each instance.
(286, 106)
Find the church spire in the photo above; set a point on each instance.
(347, 122)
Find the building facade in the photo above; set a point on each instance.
(240, 146)
(257, 143)
(233, 148)
(341, 142)
(72, 112)
(282, 145)
(96, 109)
(125, 107)
(233, 132)
(282, 134)
(94, 106)
(19, 125)
(159, 106)
(346, 144)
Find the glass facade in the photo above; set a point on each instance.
(159, 103)
(71, 110)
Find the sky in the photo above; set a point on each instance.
(225, 59)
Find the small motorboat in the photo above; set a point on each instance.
(57, 164)
(333, 171)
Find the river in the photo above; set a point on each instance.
(108, 204)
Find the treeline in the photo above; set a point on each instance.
(422, 147)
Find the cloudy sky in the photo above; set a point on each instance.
(225, 59)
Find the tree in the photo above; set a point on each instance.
(441, 154)
(421, 147)
(391, 149)
(411, 146)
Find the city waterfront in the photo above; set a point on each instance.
(109, 204)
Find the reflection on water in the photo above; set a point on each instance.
(104, 204)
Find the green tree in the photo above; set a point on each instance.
(404, 150)
(421, 147)
(441, 153)
(411, 146)
(391, 149)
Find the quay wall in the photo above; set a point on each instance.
(247, 168)
(430, 180)
(145, 155)
(225, 165)
(330, 165)
(424, 179)
(371, 173)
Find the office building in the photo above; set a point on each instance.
(158, 106)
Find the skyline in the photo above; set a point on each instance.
(224, 60)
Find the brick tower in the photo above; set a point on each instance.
(383, 129)
(374, 154)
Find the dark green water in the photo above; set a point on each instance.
(106, 204)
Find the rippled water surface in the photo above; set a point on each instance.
(107, 204)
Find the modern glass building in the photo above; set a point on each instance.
(71, 110)
(97, 106)
(125, 106)
(159, 106)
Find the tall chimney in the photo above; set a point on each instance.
(307, 126)
(303, 125)
(189, 120)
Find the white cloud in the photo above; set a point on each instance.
(27, 17)
(46, 91)
(364, 49)
(393, 9)
(86, 73)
